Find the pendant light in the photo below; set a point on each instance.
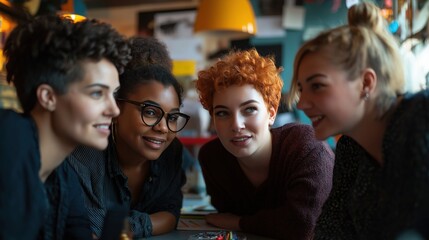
(232, 18)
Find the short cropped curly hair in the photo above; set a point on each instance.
(52, 50)
(240, 68)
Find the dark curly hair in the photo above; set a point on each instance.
(148, 51)
(131, 78)
(52, 50)
(150, 63)
(240, 68)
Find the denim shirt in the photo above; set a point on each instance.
(23, 202)
(67, 216)
(106, 186)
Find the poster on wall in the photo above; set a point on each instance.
(179, 24)
(147, 20)
(175, 29)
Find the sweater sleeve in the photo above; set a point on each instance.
(306, 186)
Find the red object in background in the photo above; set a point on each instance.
(191, 141)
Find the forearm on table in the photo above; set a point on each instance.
(162, 222)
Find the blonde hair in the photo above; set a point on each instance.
(240, 68)
(363, 43)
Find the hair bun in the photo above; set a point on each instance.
(366, 14)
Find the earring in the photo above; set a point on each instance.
(366, 96)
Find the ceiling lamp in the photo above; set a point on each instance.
(234, 18)
(74, 17)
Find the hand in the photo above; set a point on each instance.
(224, 220)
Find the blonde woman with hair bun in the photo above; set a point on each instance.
(348, 81)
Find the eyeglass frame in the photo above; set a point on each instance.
(143, 105)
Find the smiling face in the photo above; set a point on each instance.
(242, 120)
(136, 140)
(83, 114)
(328, 97)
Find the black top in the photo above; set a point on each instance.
(105, 186)
(23, 203)
(373, 202)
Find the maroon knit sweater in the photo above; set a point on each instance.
(288, 203)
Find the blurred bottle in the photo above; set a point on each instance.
(126, 233)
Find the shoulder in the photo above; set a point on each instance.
(293, 132)
(13, 122)
(173, 150)
(86, 160)
(213, 149)
(18, 141)
(172, 155)
(411, 114)
(297, 137)
(415, 106)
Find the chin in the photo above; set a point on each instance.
(100, 145)
(321, 136)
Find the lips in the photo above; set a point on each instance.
(102, 126)
(154, 140)
(240, 139)
(316, 120)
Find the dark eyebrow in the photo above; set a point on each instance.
(97, 85)
(242, 104)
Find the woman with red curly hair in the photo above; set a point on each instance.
(265, 181)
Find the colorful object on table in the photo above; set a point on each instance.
(220, 235)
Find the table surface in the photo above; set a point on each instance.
(184, 235)
(192, 202)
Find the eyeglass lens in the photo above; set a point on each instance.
(152, 115)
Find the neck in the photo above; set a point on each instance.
(260, 160)
(370, 134)
(127, 159)
(53, 149)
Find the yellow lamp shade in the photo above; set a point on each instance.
(225, 17)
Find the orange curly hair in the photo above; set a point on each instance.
(240, 68)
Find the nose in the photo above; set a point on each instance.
(112, 107)
(238, 123)
(162, 125)
(303, 102)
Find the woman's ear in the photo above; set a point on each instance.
(369, 81)
(273, 112)
(46, 97)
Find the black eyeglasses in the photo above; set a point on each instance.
(152, 114)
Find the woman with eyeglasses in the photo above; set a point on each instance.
(141, 168)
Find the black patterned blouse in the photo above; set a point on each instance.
(373, 202)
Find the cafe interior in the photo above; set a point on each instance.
(199, 32)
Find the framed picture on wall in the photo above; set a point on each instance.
(166, 22)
